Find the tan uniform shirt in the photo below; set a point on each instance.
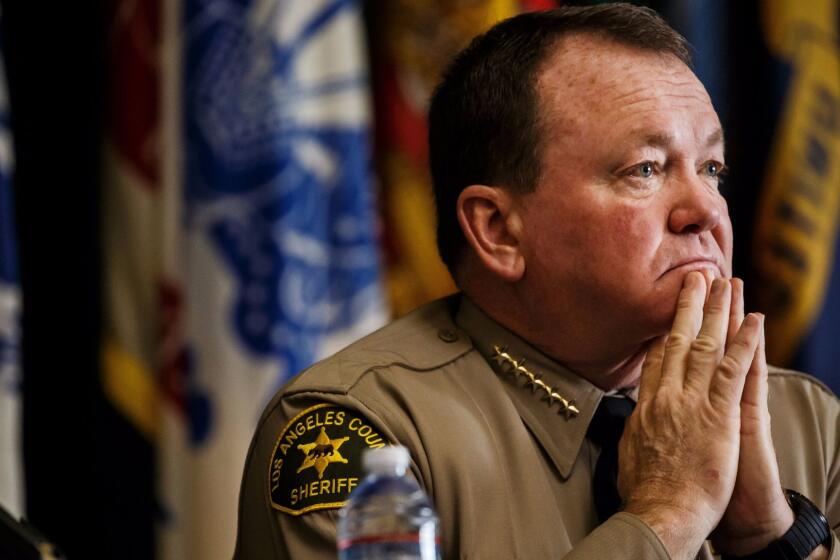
(504, 458)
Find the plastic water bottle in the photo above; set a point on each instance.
(388, 516)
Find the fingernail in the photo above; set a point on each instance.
(756, 319)
(718, 286)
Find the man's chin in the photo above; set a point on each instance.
(657, 319)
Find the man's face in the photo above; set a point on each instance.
(628, 201)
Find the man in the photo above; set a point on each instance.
(576, 161)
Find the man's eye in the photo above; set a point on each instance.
(644, 170)
(714, 169)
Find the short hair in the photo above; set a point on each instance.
(484, 116)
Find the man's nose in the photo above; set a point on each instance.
(696, 207)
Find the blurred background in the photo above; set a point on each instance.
(198, 198)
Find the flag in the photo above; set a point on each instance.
(269, 233)
(795, 243)
(413, 42)
(11, 467)
(132, 278)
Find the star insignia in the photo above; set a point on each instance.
(571, 410)
(535, 383)
(321, 453)
(500, 355)
(554, 397)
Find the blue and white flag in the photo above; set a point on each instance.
(278, 262)
(11, 472)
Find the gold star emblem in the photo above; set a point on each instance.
(554, 397)
(571, 410)
(500, 354)
(321, 453)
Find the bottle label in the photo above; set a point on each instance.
(317, 459)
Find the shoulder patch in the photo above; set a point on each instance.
(317, 459)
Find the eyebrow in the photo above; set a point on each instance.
(663, 140)
(714, 138)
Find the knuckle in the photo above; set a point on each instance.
(676, 340)
(700, 368)
(706, 344)
(686, 302)
(714, 307)
(740, 344)
(729, 368)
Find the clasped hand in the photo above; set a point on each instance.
(696, 460)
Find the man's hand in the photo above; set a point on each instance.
(758, 512)
(678, 457)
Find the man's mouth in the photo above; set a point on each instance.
(696, 263)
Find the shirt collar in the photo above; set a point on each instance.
(560, 433)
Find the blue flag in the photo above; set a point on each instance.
(278, 261)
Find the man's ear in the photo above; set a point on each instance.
(493, 228)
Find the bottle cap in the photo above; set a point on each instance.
(386, 459)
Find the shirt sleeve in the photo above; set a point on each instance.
(261, 533)
(303, 462)
(622, 536)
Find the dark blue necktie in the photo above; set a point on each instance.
(605, 431)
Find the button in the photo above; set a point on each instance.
(447, 335)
